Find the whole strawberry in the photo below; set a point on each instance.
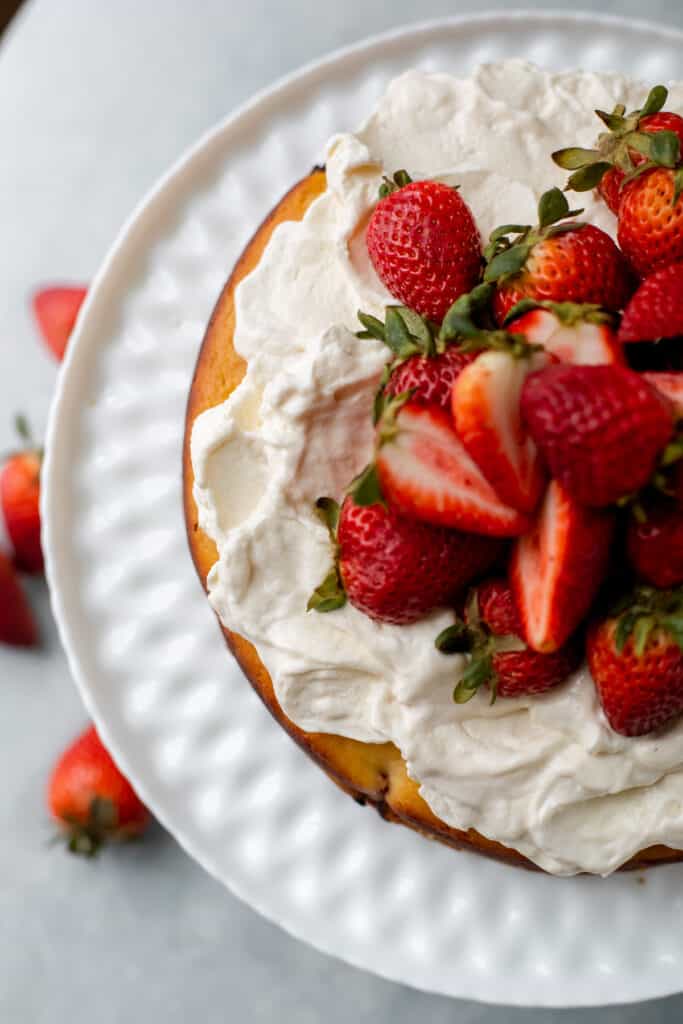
(17, 625)
(426, 361)
(558, 260)
(600, 429)
(655, 311)
(650, 227)
(627, 144)
(20, 502)
(424, 244)
(499, 658)
(655, 543)
(636, 661)
(55, 310)
(90, 798)
(395, 569)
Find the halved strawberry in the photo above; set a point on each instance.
(656, 309)
(557, 568)
(485, 405)
(56, 310)
(573, 333)
(424, 471)
(17, 625)
(671, 386)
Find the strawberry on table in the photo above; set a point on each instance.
(55, 310)
(20, 502)
(558, 260)
(627, 144)
(600, 429)
(395, 569)
(650, 227)
(556, 569)
(91, 800)
(492, 635)
(656, 309)
(578, 333)
(17, 625)
(655, 543)
(636, 660)
(424, 244)
(425, 472)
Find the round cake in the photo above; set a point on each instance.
(279, 415)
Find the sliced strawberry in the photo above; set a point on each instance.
(572, 333)
(486, 412)
(557, 568)
(425, 472)
(17, 626)
(656, 309)
(671, 386)
(56, 310)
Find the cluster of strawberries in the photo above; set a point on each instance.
(88, 797)
(527, 431)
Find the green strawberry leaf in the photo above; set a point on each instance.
(374, 328)
(587, 178)
(397, 335)
(455, 639)
(509, 262)
(330, 595)
(478, 672)
(665, 149)
(327, 511)
(614, 121)
(573, 158)
(552, 206)
(655, 101)
(365, 489)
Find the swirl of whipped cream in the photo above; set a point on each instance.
(544, 775)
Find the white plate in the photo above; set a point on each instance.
(144, 647)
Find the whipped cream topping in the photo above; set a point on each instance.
(545, 775)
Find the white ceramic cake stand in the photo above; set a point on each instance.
(148, 656)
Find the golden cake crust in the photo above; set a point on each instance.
(371, 773)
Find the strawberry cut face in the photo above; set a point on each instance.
(557, 568)
(583, 343)
(426, 472)
(486, 399)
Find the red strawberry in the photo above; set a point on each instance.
(17, 626)
(56, 310)
(611, 186)
(636, 661)
(429, 378)
(487, 419)
(579, 334)
(425, 472)
(600, 429)
(424, 244)
(91, 799)
(499, 657)
(656, 309)
(655, 544)
(557, 260)
(671, 386)
(625, 146)
(395, 569)
(556, 569)
(20, 501)
(650, 228)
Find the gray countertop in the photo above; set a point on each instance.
(143, 934)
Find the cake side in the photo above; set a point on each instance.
(371, 773)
